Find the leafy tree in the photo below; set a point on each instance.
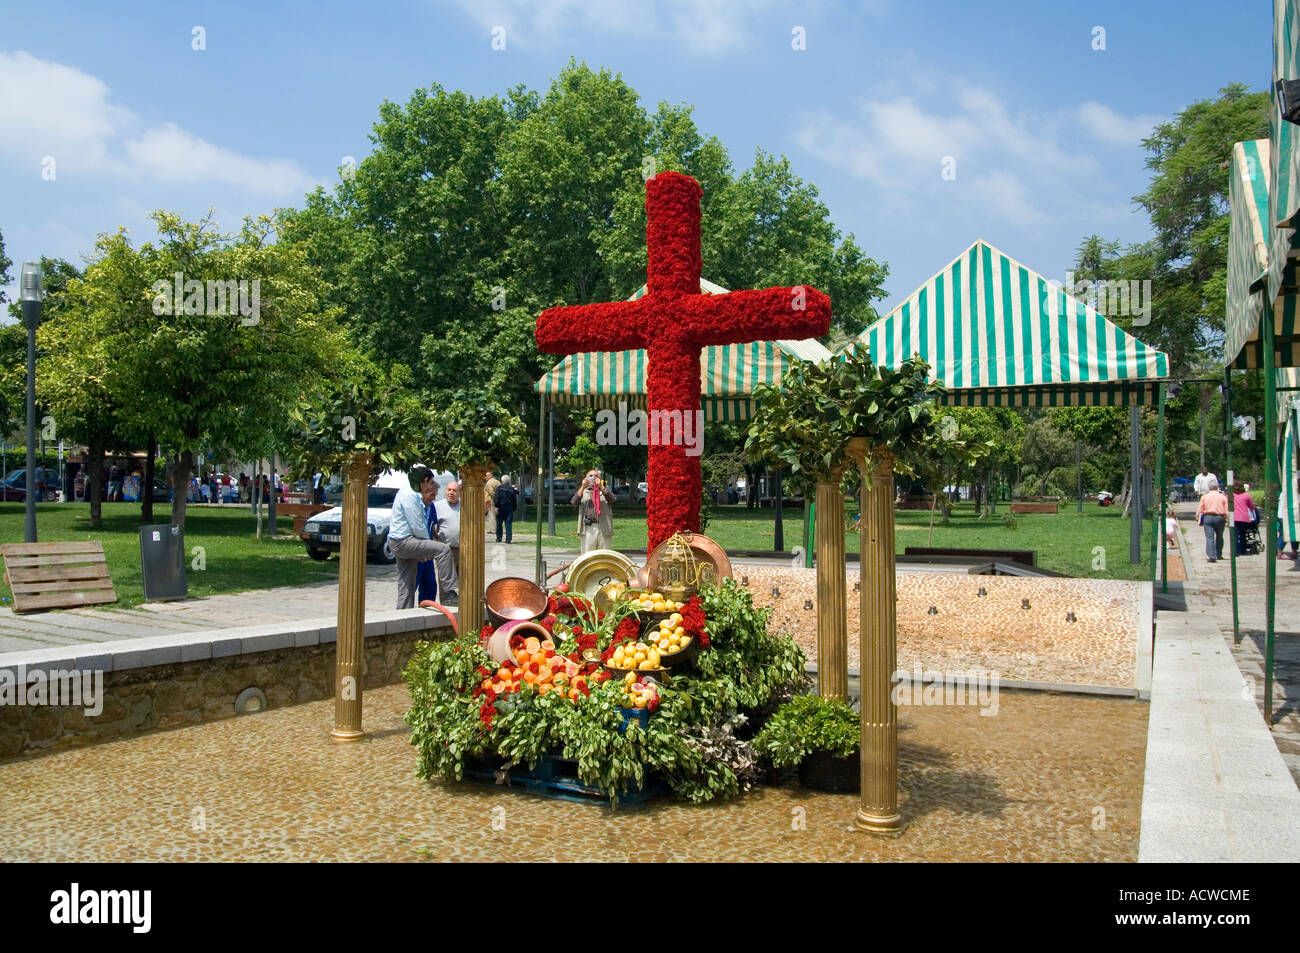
(76, 339)
(5, 262)
(584, 455)
(196, 378)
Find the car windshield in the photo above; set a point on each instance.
(381, 496)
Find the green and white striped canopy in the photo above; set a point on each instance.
(728, 373)
(998, 334)
(1284, 158)
(1249, 270)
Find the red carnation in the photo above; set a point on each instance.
(484, 672)
(516, 643)
(550, 653)
(485, 632)
(535, 667)
(582, 687)
(552, 607)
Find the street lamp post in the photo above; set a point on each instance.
(30, 295)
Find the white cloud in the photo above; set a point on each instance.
(56, 110)
(708, 27)
(1105, 124)
(170, 154)
(1009, 165)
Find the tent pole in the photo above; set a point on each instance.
(550, 484)
(1270, 507)
(1157, 528)
(537, 494)
(1078, 465)
(1227, 466)
(809, 521)
(1135, 487)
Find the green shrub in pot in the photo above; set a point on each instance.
(805, 725)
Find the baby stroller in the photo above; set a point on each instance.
(1250, 541)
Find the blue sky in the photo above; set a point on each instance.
(1042, 129)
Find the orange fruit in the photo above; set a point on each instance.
(503, 674)
(523, 657)
(530, 677)
(547, 644)
(532, 644)
(538, 657)
(544, 688)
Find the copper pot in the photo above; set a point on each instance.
(513, 598)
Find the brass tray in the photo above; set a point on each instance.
(591, 571)
(711, 557)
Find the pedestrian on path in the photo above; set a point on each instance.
(1203, 480)
(505, 501)
(1212, 513)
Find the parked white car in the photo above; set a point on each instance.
(323, 532)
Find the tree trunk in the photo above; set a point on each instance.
(180, 486)
(95, 468)
(1124, 495)
(751, 488)
(146, 490)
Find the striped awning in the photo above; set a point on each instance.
(1284, 159)
(728, 373)
(996, 333)
(1248, 264)
(1247, 251)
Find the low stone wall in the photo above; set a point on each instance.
(158, 697)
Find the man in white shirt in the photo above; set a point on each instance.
(1203, 480)
(449, 533)
(408, 535)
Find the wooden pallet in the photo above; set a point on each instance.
(556, 777)
(57, 575)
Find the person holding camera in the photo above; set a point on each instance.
(595, 504)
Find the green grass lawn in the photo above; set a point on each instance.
(1065, 542)
(235, 559)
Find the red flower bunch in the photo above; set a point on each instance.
(487, 711)
(582, 687)
(628, 630)
(569, 605)
(516, 643)
(483, 672)
(586, 642)
(486, 632)
(547, 623)
(693, 621)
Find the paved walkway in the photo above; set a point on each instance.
(1216, 786)
(40, 630)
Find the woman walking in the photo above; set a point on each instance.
(1212, 513)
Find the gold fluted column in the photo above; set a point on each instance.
(832, 600)
(349, 647)
(879, 809)
(470, 611)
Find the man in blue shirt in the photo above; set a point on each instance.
(408, 535)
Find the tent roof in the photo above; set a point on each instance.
(728, 373)
(1248, 264)
(996, 333)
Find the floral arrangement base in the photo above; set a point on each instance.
(823, 771)
(556, 777)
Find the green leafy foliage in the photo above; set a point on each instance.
(805, 425)
(689, 741)
(366, 410)
(807, 724)
(473, 428)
